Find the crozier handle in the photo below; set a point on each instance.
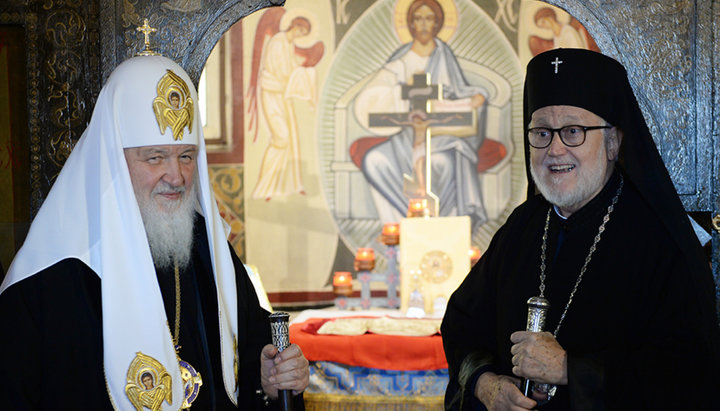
(281, 340)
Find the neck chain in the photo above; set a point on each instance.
(191, 378)
(601, 229)
(176, 335)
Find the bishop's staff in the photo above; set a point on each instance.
(281, 340)
(537, 312)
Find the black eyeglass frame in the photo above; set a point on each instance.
(552, 131)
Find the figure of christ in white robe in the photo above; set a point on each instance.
(453, 160)
(282, 80)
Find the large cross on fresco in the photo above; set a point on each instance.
(420, 117)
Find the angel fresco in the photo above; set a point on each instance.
(564, 35)
(281, 73)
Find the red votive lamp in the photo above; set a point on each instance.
(474, 254)
(418, 207)
(342, 283)
(365, 259)
(390, 234)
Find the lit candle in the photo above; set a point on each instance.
(474, 254)
(342, 283)
(390, 234)
(365, 259)
(418, 207)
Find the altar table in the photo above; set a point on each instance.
(370, 371)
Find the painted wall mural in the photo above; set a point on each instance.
(282, 72)
(340, 100)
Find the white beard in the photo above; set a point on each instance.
(169, 229)
(589, 181)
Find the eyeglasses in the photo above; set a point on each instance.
(571, 136)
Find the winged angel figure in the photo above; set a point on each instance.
(282, 72)
(148, 383)
(173, 105)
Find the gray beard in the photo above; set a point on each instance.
(169, 231)
(589, 181)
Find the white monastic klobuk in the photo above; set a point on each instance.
(91, 214)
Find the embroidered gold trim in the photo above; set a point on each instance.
(339, 402)
(148, 383)
(173, 105)
(236, 362)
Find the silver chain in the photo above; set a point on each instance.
(601, 229)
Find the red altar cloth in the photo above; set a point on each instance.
(387, 352)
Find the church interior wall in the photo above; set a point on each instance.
(298, 240)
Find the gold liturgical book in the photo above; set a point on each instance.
(434, 261)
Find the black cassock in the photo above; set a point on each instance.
(639, 331)
(51, 352)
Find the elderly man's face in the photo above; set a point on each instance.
(162, 175)
(423, 21)
(570, 177)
